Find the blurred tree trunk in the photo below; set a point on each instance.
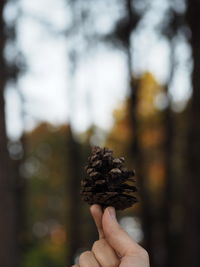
(167, 206)
(171, 190)
(191, 235)
(146, 215)
(73, 191)
(20, 184)
(167, 203)
(8, 232)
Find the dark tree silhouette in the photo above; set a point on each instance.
(132, 20)
(121, 37)
(191, 236)
(73, 190)
(170, 29)
(8, 232)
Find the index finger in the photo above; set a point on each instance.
(97, 215)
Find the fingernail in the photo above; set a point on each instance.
(112, 213)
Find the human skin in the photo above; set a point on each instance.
(115, 248)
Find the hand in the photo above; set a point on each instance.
(114, 247)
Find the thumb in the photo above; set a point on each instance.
(118, 239)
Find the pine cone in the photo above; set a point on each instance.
(108, 182)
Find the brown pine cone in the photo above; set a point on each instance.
(107, 182)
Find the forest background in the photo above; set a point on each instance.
(122, 74)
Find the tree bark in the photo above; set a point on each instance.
(191, 235)
(146, 214)
(20, 201)
(8, 233)
(73, 191)
(167, 205)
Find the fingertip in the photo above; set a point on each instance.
(97, 214)
(96, 210)
(95, 207)
(109, 216)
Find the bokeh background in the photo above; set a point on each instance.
(124, 74)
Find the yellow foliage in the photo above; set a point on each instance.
(148, 89)
(122, 131)
(120, 135)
